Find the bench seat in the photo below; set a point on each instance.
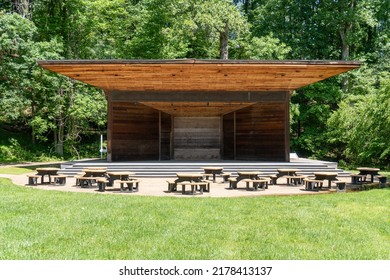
(382, 179)
(357, 178)
(312, 184)
(202, 186)
(274, 179)
(102, 184)
(59, 179)
(33, 179)
(340, 186)
(85, 181)
(256, 183)
(226, 176)
(171, 185)
(232, 183)
(294, 179)
(132, 185)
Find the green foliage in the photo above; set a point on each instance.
(186, 28)
(15, 146)
(313, 106)
(21, 78)
(62, 114)
(264, 48)
(43, 101)
(361, 127)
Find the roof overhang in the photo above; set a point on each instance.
(191, 75)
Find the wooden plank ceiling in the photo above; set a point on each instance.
(193, 109)
(189, 75)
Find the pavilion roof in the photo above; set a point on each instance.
(193, 75)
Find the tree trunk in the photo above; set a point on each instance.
(345, 52)
(224, 43)
(344, 42)
(59, 134)
(59, 138)
(22, 7)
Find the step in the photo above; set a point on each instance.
(170, 168)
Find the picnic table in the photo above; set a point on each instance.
(89, 176)
(369, 171)
(248, 175)
(244, 175)
(330, 176)
(46, 171)
(94, 172)
(190, 178)
(212, 170)
(290, 172)
(118, 175)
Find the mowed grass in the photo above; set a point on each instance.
(39, 225)
(16, 170)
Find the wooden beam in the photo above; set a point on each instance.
(194, 96)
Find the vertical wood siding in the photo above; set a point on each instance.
(197, 138)
(165, 136)
(261, 132)
(135, 132)
(228, 136)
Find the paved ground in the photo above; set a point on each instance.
(158, 187)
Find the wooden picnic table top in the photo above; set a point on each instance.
(368, 169)
(326, 173)
(189, 175)
(248, 173)
(119, 173)
(47, 169)
(288, 170)
(94, 170)
(213, 168)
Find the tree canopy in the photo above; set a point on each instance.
(343, 118)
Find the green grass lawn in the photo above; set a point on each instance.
(16, 170)
(38, 224)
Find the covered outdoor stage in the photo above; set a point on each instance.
(201, 110)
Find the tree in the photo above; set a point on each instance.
(266, 47)
(21, 87)
(359, 130)
(22, 7)
(223, 18)
(36, 98)
(177, 29)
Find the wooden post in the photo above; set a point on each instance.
(287, 128)
(159, 135)
(109, 127)
(234, 137)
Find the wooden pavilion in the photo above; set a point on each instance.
(198, 109)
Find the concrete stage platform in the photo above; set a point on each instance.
(166, 169)
(154, 174)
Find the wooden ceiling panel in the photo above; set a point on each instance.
(190, 109)
(198, 75)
